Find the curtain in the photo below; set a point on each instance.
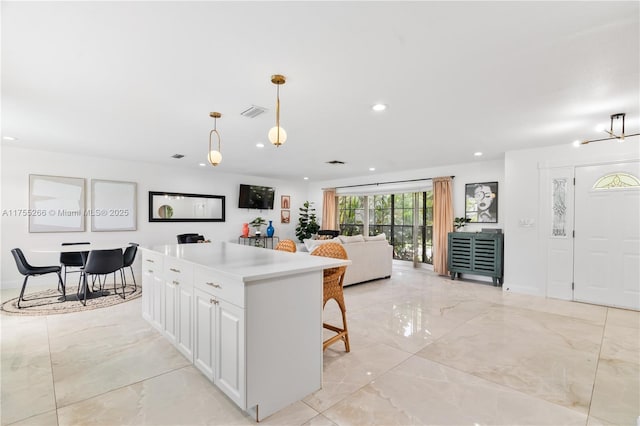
(329, 209)
(442, 222)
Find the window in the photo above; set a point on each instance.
(393, 215)
(351, 214)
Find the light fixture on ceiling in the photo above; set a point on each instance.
(477, 154)
(214, 156)
(372, 169)
(277, 134)
(9, 138)
(619, 137)
(379, 107)
(260, 145)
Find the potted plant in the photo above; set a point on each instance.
(460, 222)
(307, 225)
(257, 223)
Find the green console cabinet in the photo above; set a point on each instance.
(478, 253)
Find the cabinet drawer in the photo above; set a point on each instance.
(221, 287)
(178, 271)
(152, 262)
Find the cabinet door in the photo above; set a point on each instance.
(184, 328)
(204, 328)
(157, 290)
(229, 355)
(169, 319)
(147, 294)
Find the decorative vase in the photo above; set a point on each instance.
(270, 229)
(245, 230)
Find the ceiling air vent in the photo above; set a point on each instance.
(335, 162)
(178, 156)
(253, 111)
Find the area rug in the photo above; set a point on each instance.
(47, 302)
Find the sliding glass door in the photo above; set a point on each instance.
(401, 217)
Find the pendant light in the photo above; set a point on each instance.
(619, 137)
(214, 157)
(277, 135)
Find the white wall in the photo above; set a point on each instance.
(18, 163)
(477, 171)
(526, 246)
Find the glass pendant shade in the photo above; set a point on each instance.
(275, 138)
(214, 157)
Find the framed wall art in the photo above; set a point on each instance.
(481, 202)
(285, 202)
(56, 204)
(285, 216)
(113, 205)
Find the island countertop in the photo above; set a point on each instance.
(246, 263)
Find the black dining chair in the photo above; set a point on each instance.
(72, 260)
(32, 271)
(102, 262)
(128, 258)
(194, 239)
(182, 238)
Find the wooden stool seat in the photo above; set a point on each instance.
(286, 245)
(333, 279)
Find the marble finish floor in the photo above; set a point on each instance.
(424, 350)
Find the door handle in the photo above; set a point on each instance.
(174, 270)
(214, 301)
(214, 285)
(176, 282)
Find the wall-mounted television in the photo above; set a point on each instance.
(256, 197)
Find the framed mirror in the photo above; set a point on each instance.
(181, 207)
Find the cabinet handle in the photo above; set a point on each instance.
(149, 260)
(214, 285)
(174, 270)
(150, 271)
(214, 301)
(176, 282)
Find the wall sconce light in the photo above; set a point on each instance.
(620, 137)
(277, 135)
(214, 157)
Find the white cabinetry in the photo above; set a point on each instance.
(219, 330)
(177, 304)
(152, 283)
(250, 320)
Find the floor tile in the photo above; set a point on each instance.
(27, 380)
(95, 352)
(295, 414)
(182, 397)
(345, 373)
(420, 391)
(49, 418)
(544, 355)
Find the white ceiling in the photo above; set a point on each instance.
(137, 80)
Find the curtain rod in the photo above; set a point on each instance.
(380, 183)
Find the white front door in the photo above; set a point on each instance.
(607, 240)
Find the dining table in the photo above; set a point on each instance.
(75, 248)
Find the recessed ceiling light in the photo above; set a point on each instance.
(9, 138)
(477, 154)
(379, 107)
(576, 143)
(201, 164)
(600, 127)
(372, 169)
(305, 178)
(260, 145)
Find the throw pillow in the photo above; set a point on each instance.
(344, 239)
(311, 244)
(379, 237)
(323, 237)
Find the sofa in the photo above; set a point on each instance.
(371, 257)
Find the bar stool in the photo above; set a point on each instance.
(286, 245)
(333, 279)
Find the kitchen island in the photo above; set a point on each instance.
(249, 319)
